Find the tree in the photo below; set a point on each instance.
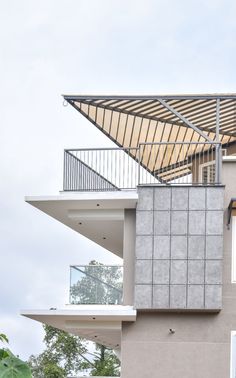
(106, 363)
(10, 365)
(66, 354)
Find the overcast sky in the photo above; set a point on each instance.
(50, 47)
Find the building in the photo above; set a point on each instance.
(164, 200)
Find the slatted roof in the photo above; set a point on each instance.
(131, 120)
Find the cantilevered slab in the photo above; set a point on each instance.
(101, 324)
(130, 121)
(98, 216)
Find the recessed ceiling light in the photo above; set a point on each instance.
(98, 204)
(94, 318)
(80, 222)
(104, 238)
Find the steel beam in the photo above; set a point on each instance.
(223, 96)
(183, 119)
(218, 154)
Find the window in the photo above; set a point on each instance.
(234, 250)
(207, 172)
(233, 355)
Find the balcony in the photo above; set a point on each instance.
(96, 284)
(114, 169)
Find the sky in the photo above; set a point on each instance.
(49, 48)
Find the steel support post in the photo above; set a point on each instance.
(218, 150)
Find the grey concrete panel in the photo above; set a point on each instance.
(179, 200)
(143, 272)
(196, 270)
(162, 197)
(161, 222)
(145, 199)
(196, 247)
(214, 247)
(213, 272)
(196, 222)
(179, 247)
(213, 296)
(143, 296)
(195, 297)
(178, 272)
(161, 247)
(215, 198)
(178, 296)
(144, 247)
(144, 222)
(214, 222)
(161, 270)
(197, 199)
(179, 222)
(161, 296)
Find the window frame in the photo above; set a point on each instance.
(232, 351)
(202, 166)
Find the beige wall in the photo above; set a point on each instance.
(200, 346)
(128, 257)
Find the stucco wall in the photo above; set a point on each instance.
(200, 346)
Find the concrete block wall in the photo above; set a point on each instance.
(179, 245)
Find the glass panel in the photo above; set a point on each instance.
(96, 284)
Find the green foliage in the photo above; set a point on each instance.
(43, 367)
(3, 354)
(105, 363)
(10, 365)
(64, 355)
(3, 338)
(54, 371)
(13, 367)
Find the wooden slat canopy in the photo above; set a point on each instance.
(132, 120)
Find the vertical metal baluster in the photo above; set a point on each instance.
(120, 170)
(73, 168)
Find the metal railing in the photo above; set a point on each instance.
(107, 169)
(96, 284)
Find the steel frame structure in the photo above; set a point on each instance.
(131, 121)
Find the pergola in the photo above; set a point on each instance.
(198, 121)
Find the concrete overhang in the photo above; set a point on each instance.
(101, 324)
(99, 216)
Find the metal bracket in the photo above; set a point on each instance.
(229, 213)
(182, 118)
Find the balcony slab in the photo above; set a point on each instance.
(99, 323)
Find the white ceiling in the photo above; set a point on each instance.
(101, 324)
(97, 216)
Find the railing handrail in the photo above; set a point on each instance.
(160, 143)
(100, 149)
(137, 147)
(116, 168)
(103, 266)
